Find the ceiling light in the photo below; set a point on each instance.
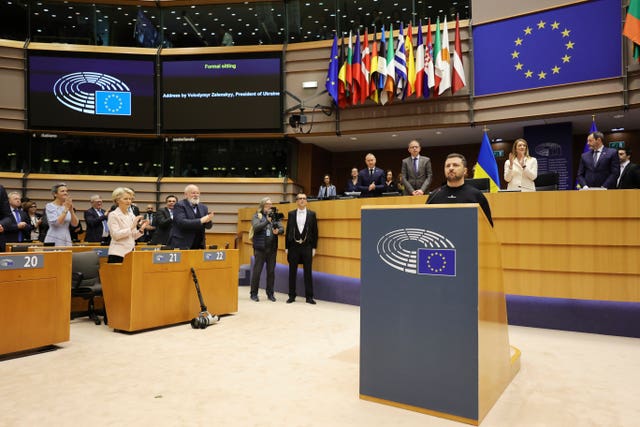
(618, 116)
(617, 129)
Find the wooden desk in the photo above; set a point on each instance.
(562, 244)
(142, 293)
(34, 301)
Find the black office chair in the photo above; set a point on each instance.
(85, 283)
(547, 181)
(481, 184)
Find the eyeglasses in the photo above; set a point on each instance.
(301, 198)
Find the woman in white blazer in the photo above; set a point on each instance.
(521, 169)
(123, 225)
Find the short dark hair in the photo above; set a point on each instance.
(598, 135)
(166, 199)
(627, 151)
(460, 156)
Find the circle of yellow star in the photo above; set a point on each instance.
(542, 75)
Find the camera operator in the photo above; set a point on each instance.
(266, 225)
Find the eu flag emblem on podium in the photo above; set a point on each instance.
(113, 103)
(576, 43)
(437, 262)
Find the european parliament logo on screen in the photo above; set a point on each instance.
(418, 251)
(93, 93)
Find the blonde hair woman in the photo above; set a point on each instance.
(60, 214)
(521, 169)
(124, 227)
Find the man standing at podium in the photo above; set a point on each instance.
(190, 219)
(455, 190)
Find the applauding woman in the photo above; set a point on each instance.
(521, 169)
(124, 227)
(60, 214)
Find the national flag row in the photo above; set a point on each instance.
(383, 73)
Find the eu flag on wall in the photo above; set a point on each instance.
(437, 262)
(564, 45)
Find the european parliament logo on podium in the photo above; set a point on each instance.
(418, 251)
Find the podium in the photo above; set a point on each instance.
(35, 296)
(433, 320)
(151, 289)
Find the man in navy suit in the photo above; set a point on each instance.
(5, 216)
(96, 219)
(190, 219)
(17, 228)
(371, 180)
(599, 167)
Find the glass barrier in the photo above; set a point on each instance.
(215, 24)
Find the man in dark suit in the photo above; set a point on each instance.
(5, 216)
(190, 219)
(416, 171)
(96, 219)
(17, 228)
(371, 179)
(629, 172)
(301, 240)
(599, 167)
(163, 221)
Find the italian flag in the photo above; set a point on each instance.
(632, 27)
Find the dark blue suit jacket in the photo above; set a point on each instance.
(94, 225)
(364, 180)
(5, 214)
(11, 230)
(604, 174)
(187, 231)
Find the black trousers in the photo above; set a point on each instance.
(261, 257)
(300, 254)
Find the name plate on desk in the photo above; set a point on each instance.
(214, 256)
(167, 257)
(16, 262)
(102, 252)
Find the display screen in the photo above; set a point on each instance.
(91, 91)
(222, 94)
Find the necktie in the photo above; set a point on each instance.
(595, 157)
(16, 213)
(415, 164)
(370, 172)
(105, 227)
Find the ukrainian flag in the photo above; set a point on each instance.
(487, 166)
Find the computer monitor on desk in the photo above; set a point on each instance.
(481, 184)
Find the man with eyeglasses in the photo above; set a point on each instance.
(96, 219)
(301, 242)
(416, 171)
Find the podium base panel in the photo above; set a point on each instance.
(514, 368)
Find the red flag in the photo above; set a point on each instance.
(365, 90)
(459, 80)
(356, 72)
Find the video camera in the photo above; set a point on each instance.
(275, 215)
(203, 320)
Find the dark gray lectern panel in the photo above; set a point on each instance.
(419, 308)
